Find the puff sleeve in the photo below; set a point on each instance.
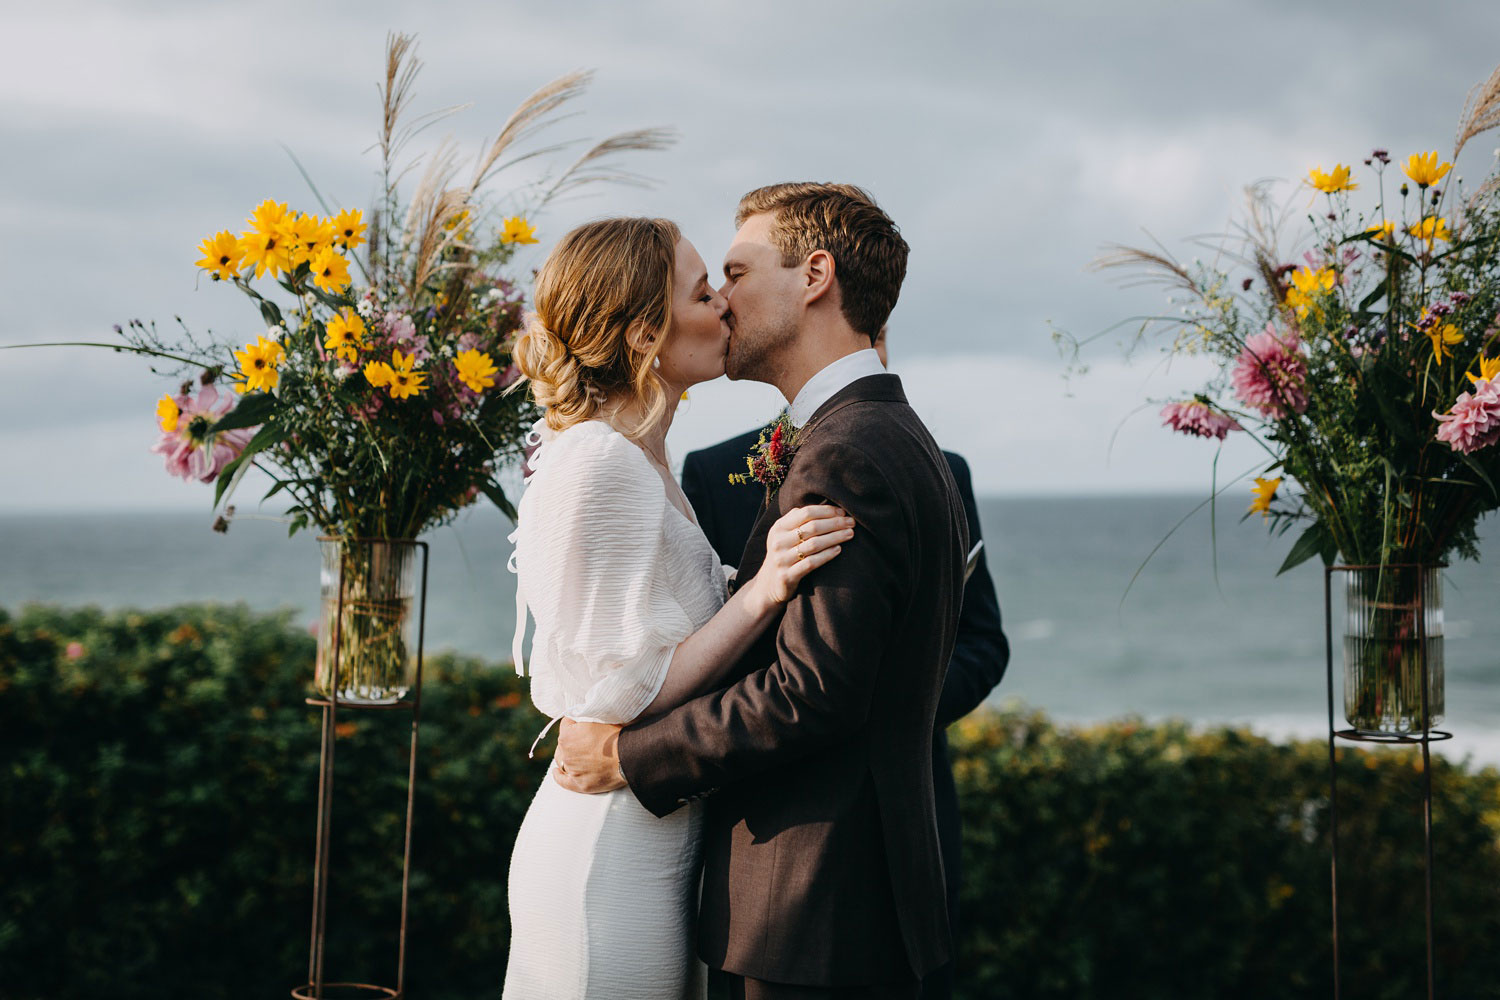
(596, 575)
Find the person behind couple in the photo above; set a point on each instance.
(822, 874)
(629, 601)
(727, 511)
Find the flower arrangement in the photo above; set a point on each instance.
(1366, 368)
(1365, 365)
(375, 397)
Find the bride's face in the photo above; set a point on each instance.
(699, 337)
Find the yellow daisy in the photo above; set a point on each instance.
(1443, 338)
(258, 363)
(1430, 229)
(310, 235)
(348, 229)
(1424, 168)
(378, 374)
(1335, 180)
(221, 255)
(1265, 491)
(167, 413)
(517, 230)
(1488, 369)
(475, 370)
(346, 333)
(330, 271)
(265, 244)
(1384, 230)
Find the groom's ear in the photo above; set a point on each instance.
(818, 276)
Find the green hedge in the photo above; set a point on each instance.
(158, 794)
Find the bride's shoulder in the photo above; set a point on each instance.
(590, 452)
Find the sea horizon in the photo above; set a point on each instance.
(1244, 647)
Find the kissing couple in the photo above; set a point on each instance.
(743, 781)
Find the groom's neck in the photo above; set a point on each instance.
(814, 351)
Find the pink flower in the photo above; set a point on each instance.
(1198, 419)
(191, 451)
(74, 651)
(398, 326)
(1474, 421)
(1270, 375)
(509, 376)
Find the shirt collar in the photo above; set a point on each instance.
(822, 386)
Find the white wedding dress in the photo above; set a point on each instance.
(603, 895)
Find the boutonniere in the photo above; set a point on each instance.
(772, 455)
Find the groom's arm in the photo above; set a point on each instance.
(829, 646)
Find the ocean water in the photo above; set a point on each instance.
(1242, 647)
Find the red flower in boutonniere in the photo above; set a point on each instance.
(772, 455)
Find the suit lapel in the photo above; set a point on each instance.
(870, 388)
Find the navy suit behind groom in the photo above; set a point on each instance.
(727, 512)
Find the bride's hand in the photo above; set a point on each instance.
(799, 542)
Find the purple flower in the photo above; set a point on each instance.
(1197, 418)
(1270, 375)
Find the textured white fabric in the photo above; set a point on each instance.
(603, 895)
(833, 377)
(613, 573)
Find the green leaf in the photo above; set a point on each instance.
(1314, 541)
(1472, 463)
(268, 435)
(270, 312)
(1375, 296)
(497, 497)
(253, 409)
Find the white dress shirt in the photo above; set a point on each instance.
(822, 386)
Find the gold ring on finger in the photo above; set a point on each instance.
(800, 537)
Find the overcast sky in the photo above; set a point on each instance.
(1009, 141)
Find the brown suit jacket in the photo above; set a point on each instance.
(821, 859)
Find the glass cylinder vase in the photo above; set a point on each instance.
(367, 632)
(1390, 610)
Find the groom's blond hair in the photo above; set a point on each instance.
(869, 255)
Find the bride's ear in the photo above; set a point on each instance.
(640, 336)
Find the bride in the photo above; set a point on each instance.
(630, 602)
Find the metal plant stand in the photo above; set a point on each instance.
(1427, 737)
(315, 986)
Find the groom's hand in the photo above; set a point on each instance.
(588, 757)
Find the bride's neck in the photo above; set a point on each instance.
(626, 417)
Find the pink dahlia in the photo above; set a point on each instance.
(1474, 421)
(1198, 419)
(192, 452)
(1271, 375)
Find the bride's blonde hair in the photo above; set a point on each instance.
(603, 308)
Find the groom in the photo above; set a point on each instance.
(822, 873)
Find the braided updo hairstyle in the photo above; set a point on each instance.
(603, 308)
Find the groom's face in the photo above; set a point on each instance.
(765, 301)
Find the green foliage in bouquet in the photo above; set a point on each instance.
(376, 399)
(1365, 362)
(158, 802)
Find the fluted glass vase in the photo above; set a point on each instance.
(367, 633)
(1390, 610)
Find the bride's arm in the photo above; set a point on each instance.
(799, 542)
